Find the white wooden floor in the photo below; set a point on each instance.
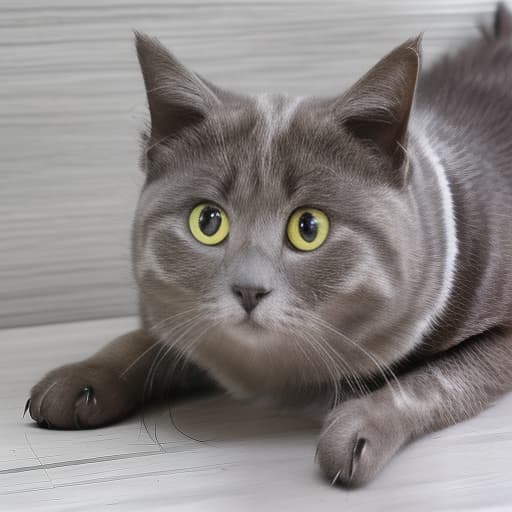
(240, 458)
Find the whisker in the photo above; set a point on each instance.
(332, 362)
(381, 367)
(138, 358)
(363, 389)
(162, 322)
(187, 325)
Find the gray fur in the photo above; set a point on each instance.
(399, 324)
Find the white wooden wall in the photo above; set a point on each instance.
(71, 104)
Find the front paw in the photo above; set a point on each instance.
(81, 395)
(358, 438)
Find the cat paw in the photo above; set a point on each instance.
(358, 438)
(80, 395)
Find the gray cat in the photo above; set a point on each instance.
(352, 252)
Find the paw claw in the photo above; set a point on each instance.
(27, 406)
(88, 394)
(335, 479)
(87, 397)
(357, 452)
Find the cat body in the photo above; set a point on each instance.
(353, 252)
(465, 105)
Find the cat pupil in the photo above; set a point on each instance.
(210, 220)
(308, 226)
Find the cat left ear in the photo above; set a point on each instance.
(376, 109)
(177, 97)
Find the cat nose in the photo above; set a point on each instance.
(249, 296)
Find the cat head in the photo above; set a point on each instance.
(271, 224)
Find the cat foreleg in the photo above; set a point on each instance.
(112, 383)
(361, 435)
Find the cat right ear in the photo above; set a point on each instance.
(376, 109)
(177, 97)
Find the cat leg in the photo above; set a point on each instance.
(112, 383)
(361, 435)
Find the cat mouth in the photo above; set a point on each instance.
(249, 322)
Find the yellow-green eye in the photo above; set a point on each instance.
(307, 229)
(208, 224)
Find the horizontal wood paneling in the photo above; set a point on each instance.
(71, 104)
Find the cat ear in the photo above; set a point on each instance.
(376, 109)
(177, 97)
